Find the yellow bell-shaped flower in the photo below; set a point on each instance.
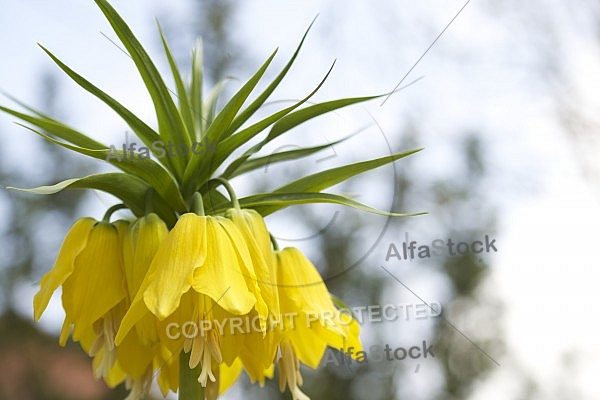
(260, 346)
(141, 349)
(199, 276)
(89, 268)
(318, 322)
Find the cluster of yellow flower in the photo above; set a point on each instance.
(124, 282)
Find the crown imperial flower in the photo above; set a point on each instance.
(188, 257)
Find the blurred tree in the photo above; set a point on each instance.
(213, 21)
(464, 205)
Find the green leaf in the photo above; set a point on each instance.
(182, 95)
(221, 122)
(218, 128)
(256, 104)
(57, 128)
(255, 163)
(324, 179)
(128, 188)
(196, 91)
(229, 145)
(209, 109)
(141, 129)
(170, 124)
(26, 106)
(143, 168)
(310, 112)
(267, 203)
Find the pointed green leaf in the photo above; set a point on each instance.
(56, 128)
(26, 106)
(218, 127)
(229, 145)
(256, 104)
(324, 179)
(141, 129)
(267, 203)
(129, 189)
(209, 108)
(223, 120)
(184, 102)
(196, 91)
(296, 118)
(170, 125)
(143, 168)
(255, 163)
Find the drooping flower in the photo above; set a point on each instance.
(198, 276)
(141, 348)
(319, 323)
(260, 347)
(89, 268)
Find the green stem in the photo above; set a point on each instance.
(212, 388)
(230, 191)
(189, 387)
(274, 242)
(112, 210)
(149, 194)
(197, 204)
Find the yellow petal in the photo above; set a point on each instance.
(97, 283)
(144, 239)
(168, 363)
(137, 311)
(74, 243)
(309, 344)
(352, 338)
(220, 277)
(256, 236)
(133, 357)
(253, 226)
(231, 338)
(247, 265)
(122, 228)
(259, 352)
(171, 329)
(229, 374)
(318, 324)
(170, 273)
(301, 288)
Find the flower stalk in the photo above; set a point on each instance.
(232, 196)
(197, 204)
(112, 210)
(189, 387)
